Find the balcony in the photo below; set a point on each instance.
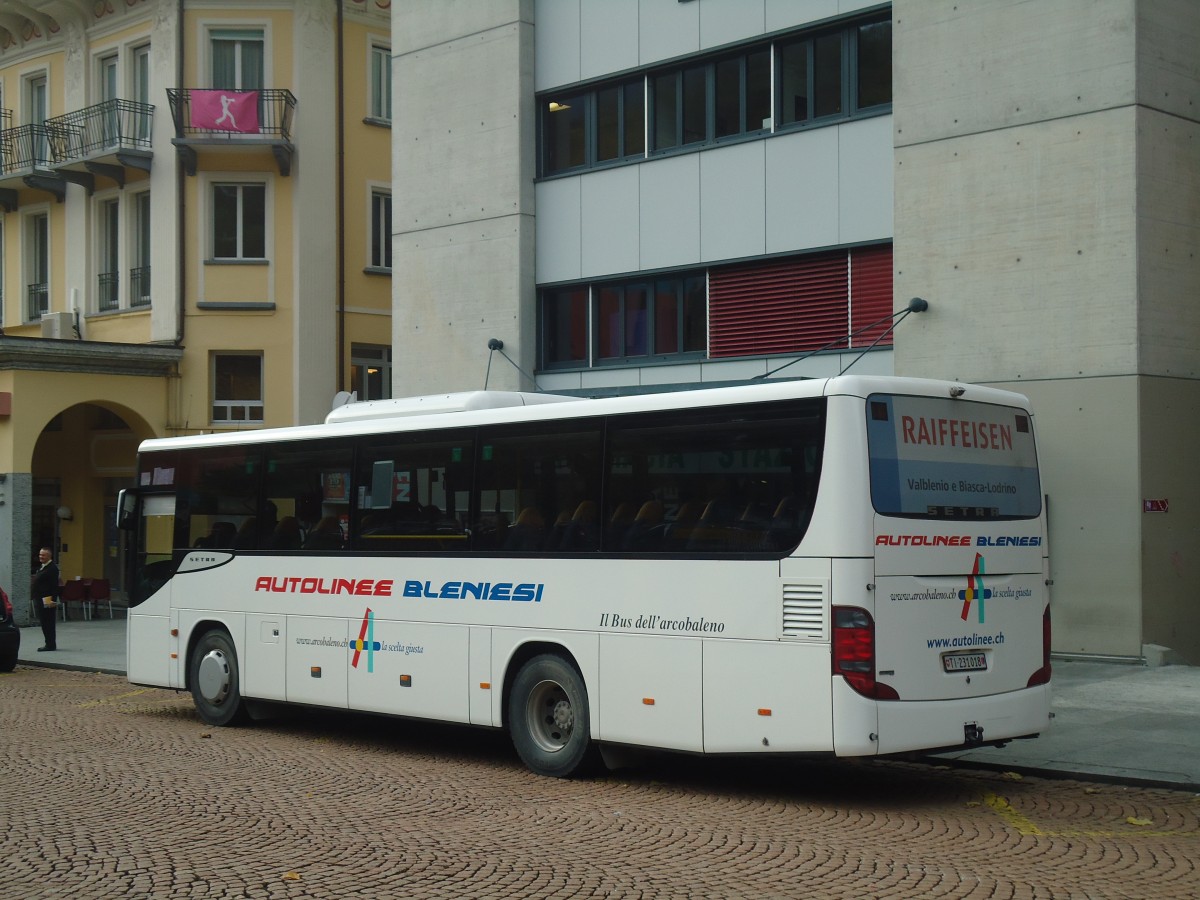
(224, 120)
(26, 160)
(104, 139)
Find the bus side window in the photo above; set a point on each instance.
(412, 493)
(217, 493)
(305, 486)
(539, 488)
(724, 485)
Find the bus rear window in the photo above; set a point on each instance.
(934, 458)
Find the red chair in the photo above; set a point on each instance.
(75, 591)
(100, 591)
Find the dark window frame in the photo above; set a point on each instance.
(685, 330)
(654, 144)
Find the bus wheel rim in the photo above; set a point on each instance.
(213, 677)
(550, 716)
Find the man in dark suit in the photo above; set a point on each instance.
(45, 585)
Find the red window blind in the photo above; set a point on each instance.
(783, 306)
(870, 292)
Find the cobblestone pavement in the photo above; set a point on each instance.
(111, 791)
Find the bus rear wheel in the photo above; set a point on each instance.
(214, 679)
(548, 718)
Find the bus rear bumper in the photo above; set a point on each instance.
(905, 726)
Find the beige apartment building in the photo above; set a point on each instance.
(195, 207)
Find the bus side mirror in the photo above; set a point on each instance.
(126, 510)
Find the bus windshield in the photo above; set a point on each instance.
(939, 458)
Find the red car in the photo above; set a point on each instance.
(10, 635)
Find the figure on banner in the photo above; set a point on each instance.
(226, 113)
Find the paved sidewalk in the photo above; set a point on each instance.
(90, 646)
(1113, 721)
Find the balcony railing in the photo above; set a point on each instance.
(103, 128)
(5, 133)
(139, 286)
(207, 117)
(109, 297)
(37, 302)
(27, 147)
(276, 109)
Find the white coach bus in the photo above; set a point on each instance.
(853, 565)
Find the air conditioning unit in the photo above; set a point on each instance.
(58, 325)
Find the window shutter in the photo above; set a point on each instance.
(782, 306)
(870, 292)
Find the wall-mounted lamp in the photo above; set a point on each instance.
(64, 513)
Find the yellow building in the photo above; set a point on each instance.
(195, 216)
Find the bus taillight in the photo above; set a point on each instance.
(1042, 675)
(854, 652)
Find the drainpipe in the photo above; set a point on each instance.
(341, 202)
(180, 191)
(174, 391)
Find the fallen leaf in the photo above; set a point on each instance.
(972, 803)
(1012, 776)
(1133, 820)
(1091, 790)
(291, 876)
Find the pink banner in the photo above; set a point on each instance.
(225, 111)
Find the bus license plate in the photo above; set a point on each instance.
(964, 662)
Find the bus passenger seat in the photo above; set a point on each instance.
(645, 535)
(527, 532)
(582, 533)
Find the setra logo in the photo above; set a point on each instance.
(975, 589)
(366, 641)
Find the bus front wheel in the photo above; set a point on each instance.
(548, 718)
(213, 676)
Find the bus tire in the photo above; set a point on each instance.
(548, 718)
(214, 677)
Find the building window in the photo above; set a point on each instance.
(237, 388)
(621, 121)
(381, 83)
(37, 265)
(822, 76)
(371, 371)
(565, 328)
(141, 88)
(819, 75)
(381, 230)
(36, 112)
(239, 221)
(564, 137)
(139, 275)
(874, 64)
(237, 59)
(108, 264)
(801, 303)
(624, 322)
(594, 128)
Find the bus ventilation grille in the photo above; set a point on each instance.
(804, 611)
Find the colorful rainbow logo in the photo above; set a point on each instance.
(366, 641)
(975, 589)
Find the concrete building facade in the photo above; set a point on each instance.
(1031, 170)
(1047, 173)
